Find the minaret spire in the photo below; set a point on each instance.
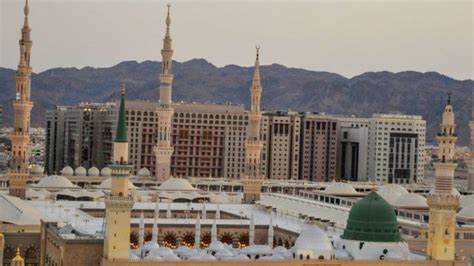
(163, 150)
(22, 105)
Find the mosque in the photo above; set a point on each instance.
(108, 217)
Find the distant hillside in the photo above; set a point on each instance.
(298, 89)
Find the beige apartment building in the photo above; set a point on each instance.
(318, 147)
(208, 139)
(280, 133)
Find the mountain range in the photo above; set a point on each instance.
(407, 92)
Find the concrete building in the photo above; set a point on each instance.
(352, 142)
(318, 147)
(79, 135)
(396, 148)
(280, 134)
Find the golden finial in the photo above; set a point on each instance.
(17, 257)
(257, 47)
(122, 87)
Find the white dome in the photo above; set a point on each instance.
(256, 250)
(173, 183)
(153, 256)
(223, 253)
(55, 181)
(67, 171)
(280, 249)
(393, 187)
(342, 254)
(93, 171)
(150, 245)
(163, 252)
(393, 255)
(107, 184)
(144, 172)
(313, 239)
(80, 171)
(339, 188)
(466, 200)
(411, 200)
(273, 257)
(238, 257)
(455, 192)
(466, 212)
(106, 171)
(391, 192)
(170, 256)
(132, 255)
(37, 170)
(215, 246)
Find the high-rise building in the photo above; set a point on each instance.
(22, 105)
(352, 142)
(163, 150)
(119, 202)
(252, 179)
(318, 148)
(280, 135)
(444, 201)
(396, 148)
(79, 135)
(208, 138)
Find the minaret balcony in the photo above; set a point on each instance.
(443, 201)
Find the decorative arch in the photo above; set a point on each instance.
(226, 238)
(170, 240)
(188, 239)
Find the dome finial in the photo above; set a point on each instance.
(26, 9)
(257, 47)
(449, 98)
(168, 18)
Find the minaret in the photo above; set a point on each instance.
(443, 203)
(252, 180)
(168, 211)
(204, 211)
(163, 150)
(197, 233)
(271, 233)
(252, 231)
(119, 202)
(470, 178)
(20, 137)
(155, 224)
(214, 232)
(218, 212)
(141, 231)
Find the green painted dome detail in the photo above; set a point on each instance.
(372, 219)
(121, 135)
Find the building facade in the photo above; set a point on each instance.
(79, 136)
(318, 147)
(396, 148)
(280, 134)
(352, 141)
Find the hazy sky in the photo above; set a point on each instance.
(346, 37)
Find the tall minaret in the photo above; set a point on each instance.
(163, 150)
(252, 180)
(443, 203)
(119, 202)
(470, 179)
(20, 137)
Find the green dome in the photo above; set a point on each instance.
(372, 219)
